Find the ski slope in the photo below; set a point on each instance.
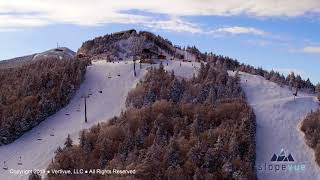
(36, 147)
(278, 117)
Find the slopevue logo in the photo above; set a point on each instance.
(282, 157)
(281, 163)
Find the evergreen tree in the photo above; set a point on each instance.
(34, 176)
(161, 68)
(291, 79)
(68, 142)
(202, 72)
(82, 138)
(176, 90)
(59, 150)
(318, 88)
(318, 91)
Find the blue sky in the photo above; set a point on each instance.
(281, 35)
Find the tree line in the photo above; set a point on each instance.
(31, 92)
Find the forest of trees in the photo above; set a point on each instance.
(109, 47)
(292, 80)
(318, 90)
(311, 128)
(173, 128)
(31, 92)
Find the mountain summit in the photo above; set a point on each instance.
(130, 43)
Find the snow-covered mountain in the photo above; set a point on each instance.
(130, 44)
(61, 53)
(111, 76)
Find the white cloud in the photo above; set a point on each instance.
(174, 24)
(311, 49)
(12, 22)
(30, 13)
(239, 30)
(258, 42)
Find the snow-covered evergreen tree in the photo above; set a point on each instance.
(68, 142)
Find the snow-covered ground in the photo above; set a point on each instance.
(278, 117)
(186, 70)
(37, 154)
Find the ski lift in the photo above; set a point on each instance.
(19, 161)
(39, 139)
(5, 167)
(52, 134)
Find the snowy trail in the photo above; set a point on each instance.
(278, 118)
(37, 154)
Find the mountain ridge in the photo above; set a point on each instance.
(61, 53)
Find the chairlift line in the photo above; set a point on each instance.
(19, 161)
(5, 167)
(52, 132)
(85, 109)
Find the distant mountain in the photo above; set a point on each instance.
(58, 53)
